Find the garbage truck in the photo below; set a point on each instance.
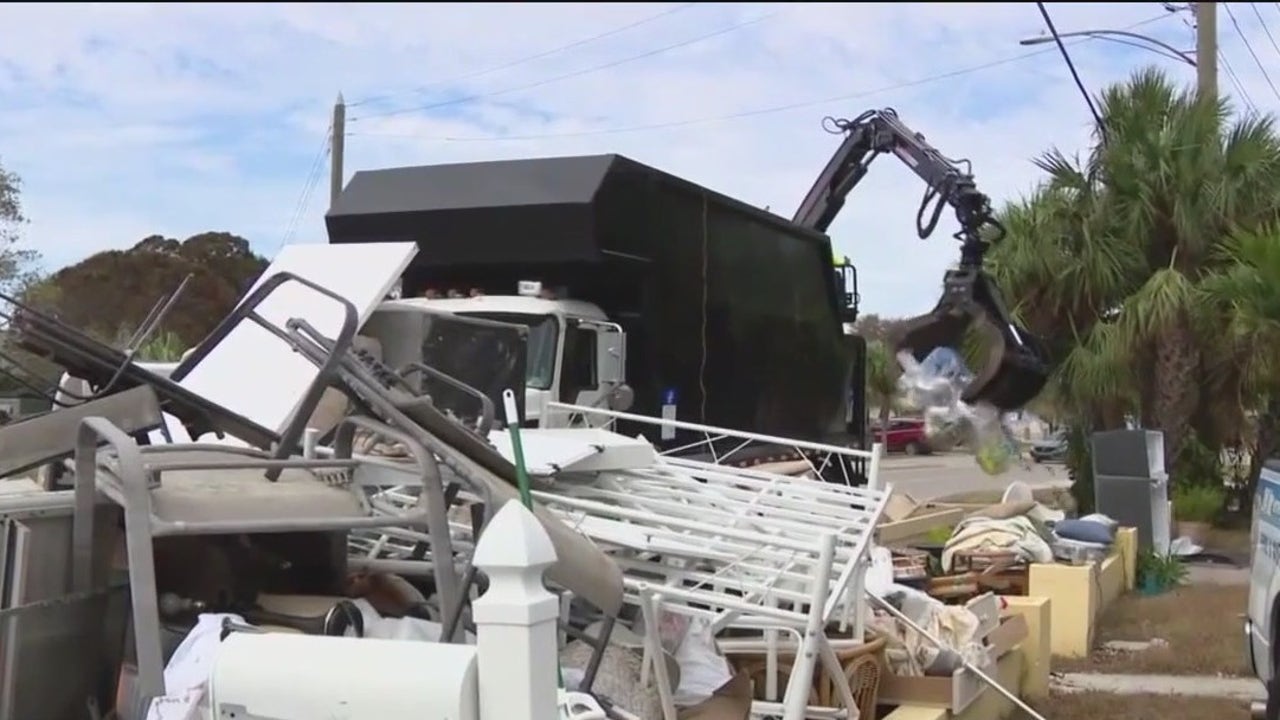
(646, 292)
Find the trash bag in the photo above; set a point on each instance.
(933, 387)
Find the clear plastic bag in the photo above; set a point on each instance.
(933, 387)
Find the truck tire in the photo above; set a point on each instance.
(1273, 698)
(914, 448)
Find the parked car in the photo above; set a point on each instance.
(1050, 449)
(905, 435)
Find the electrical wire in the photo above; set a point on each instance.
(759, 112)
(1235, 81)
(1071, 66)
(1265, 29)
(569, 75)
(1226, 67)
(1248, 46)
(536, 56)
(308, 187)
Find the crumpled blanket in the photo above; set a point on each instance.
(695, 666)
(909, 654)
(1018, 534)
(617, 679)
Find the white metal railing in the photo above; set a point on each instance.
(818, 456)
(738, 547)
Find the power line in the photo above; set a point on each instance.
(566, 76)
(1231, 73)
(1249, 47)
(771, 110)
(1265, 29)
(308, 187)
(535, 56)
(1235, 81)
(1071, 66)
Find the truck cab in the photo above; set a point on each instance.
(575, 353)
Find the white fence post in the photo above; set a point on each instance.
(515, 619)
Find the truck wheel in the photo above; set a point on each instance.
(913, 448)
(1273, 698)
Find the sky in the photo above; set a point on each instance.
(126, 120)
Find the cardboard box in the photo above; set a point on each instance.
(961, 688)
(731, 702)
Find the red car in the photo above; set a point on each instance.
(905, 435)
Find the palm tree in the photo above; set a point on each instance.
(1106, 258)
(882, 382)
(1242, 301)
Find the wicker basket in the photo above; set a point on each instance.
(861, 671)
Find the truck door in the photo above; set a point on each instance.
(579, 379)
(592, 369)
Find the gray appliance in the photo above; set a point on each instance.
(1130, 484)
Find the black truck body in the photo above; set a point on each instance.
(733, 313)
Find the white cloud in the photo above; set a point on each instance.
(130, 119)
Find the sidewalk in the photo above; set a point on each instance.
(1214, 574)
(1245, 689)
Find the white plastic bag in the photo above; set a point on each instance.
(186, 677)
(703, 670)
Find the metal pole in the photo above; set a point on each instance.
(1132, 39)
(1207, 48)
(337, 147)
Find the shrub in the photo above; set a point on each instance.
(1198, 503)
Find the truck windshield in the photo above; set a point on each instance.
(540, 367)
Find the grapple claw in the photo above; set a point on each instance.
(1016, 366)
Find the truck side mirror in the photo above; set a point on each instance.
(621, 398)
(611, 354)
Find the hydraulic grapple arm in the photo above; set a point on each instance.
(1016, 367)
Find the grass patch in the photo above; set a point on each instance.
(1096, 706)
(1200, 623)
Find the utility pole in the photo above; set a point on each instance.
(1206, 48)
(337, 148)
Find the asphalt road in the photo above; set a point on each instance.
(928, 477)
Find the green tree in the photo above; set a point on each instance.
(1107, 259)
(1243, 299)
(878, 329)
(17, 264)
(882, 382)
(19, 278)
(110, 293)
